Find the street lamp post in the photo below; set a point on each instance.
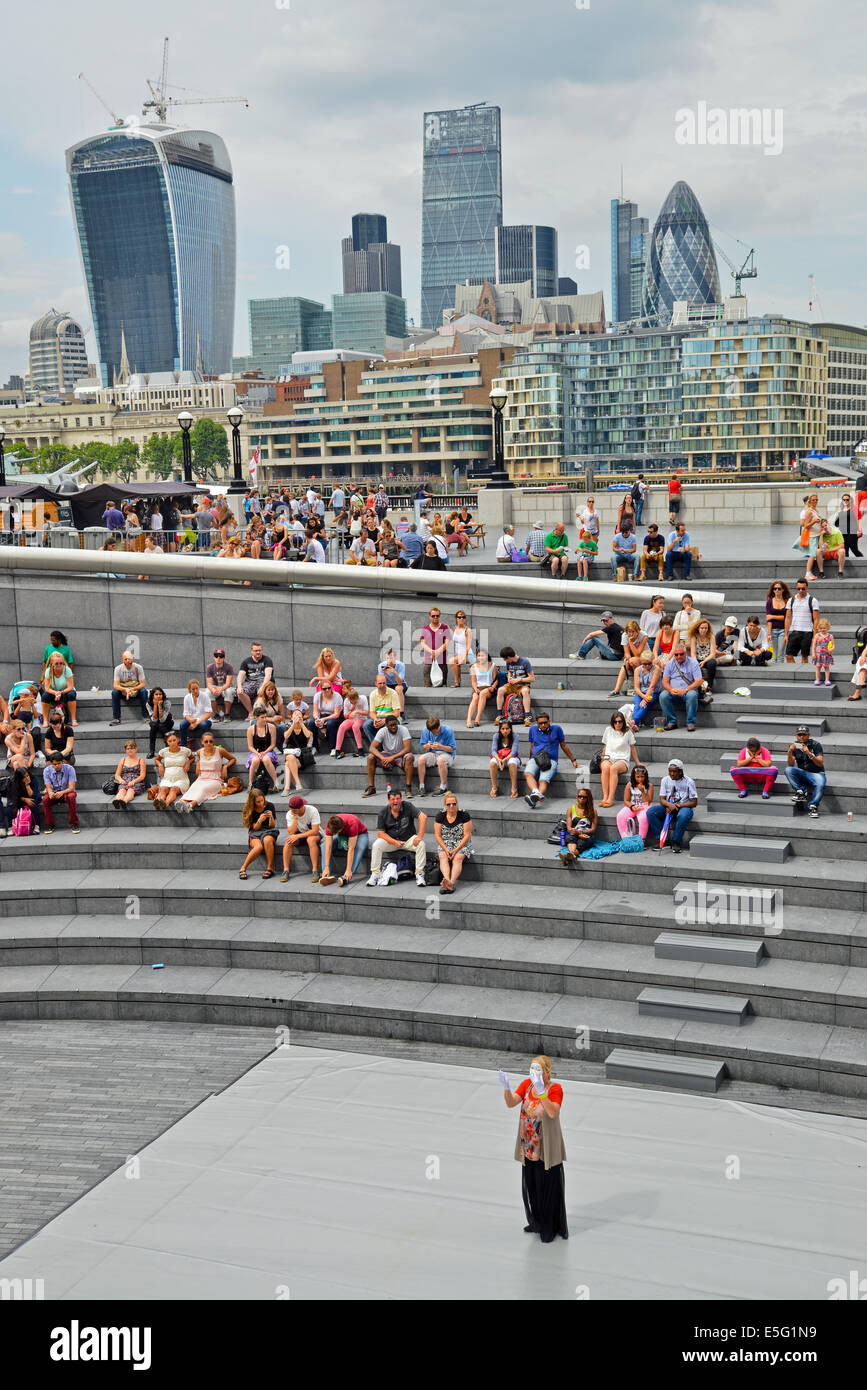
(2, 458)
(499, 478)
(185, 420)
(235, 415)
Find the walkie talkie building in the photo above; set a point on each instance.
(154, 211)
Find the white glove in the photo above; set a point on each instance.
(504, 1080)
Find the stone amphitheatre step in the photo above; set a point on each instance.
(794, 690)
(669, 1069)
(726, 950)
(695, 1005)
(779, 1051)
(776, 807)
(768, 724)
(738, 847)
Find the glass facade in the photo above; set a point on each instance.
(628, 255)
(527, 253)
(154, 212)
(368, 229)
(462, 204)
(363, 321)
(680, 263)
(279, 327)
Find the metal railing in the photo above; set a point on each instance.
(466, 585)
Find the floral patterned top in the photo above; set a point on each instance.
(532, 1116)
(822, 652)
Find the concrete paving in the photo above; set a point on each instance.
(340, 1175)
(722, 543)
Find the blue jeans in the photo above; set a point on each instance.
(811, 782)
(669, 708)
(637, 712)
(602, 648)
(639, 510)
(656, 819)
(200, 729)
(626, 561)
(141, 696)
(685, 556)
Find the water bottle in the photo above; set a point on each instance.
(562, 839)
(560, 685)
(388, 789)
(849, 815)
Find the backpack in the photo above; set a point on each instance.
(406, 867)
(23, 822)
(513, 709)
(860, 643)
(556, 831)
(635, 493)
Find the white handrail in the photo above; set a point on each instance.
(464, 584)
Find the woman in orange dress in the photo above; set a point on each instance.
(540, 1150)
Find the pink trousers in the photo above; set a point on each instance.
(624, 815)
(349, 724)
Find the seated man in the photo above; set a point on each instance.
(608, 640)
(557, 552)
(805, 770)
(534, 545)
(519, 677)
(652, 552)
(395, 676)
(546, 740)
(677, 797)
(59, 779)
(681, 681)
(302, 830)
(678, 549)
(437, 746)
(129, 683)
(348, 832)
(399, 826)
(381, 702)
(362, 550)
(391, 749)
(220, 681)
(624, 551)
(254, 672)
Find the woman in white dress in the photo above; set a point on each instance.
(618, 749)
(173, 765)
(461, 644)
(212, 764)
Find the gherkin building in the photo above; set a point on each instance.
(680, 261)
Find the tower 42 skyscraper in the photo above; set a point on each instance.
(462, 203)
(154, 209)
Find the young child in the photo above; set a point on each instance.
(586, 549)
(297, 702)
(25, 707)
(822, 654)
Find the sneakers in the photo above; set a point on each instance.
(333, 753)
(3, 832)
(369, 791)
(419, 881)
(799, 796)
(813, 811)
(284, 877)
(337, 755)
(49, 829)
(76, 830)
(532, 798)
(443, 788)
(326, 879)
(373, 881)
(421, 790)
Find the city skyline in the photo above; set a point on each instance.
(355, 141)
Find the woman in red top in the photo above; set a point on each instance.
(350, 834)
(540, 1150)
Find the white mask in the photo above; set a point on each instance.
(536, 1077)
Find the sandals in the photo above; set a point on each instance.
(269, 873)
(242, 873)
(854, 697)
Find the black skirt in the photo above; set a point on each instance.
(544, 1193)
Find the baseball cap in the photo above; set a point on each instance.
(219, 651)
(731, 621)
(675, 762)
(296, 803)
(802, 729)
(606, 615)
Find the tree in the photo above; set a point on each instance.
(49, 457)
(126, 459)
(95, 451)
(157, 453)
(210, 448)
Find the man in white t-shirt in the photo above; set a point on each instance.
(315, 552)
(362, 551)
(304, 831)
(802, 615)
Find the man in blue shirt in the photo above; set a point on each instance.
(113, 518)
(546, 740)
(678, 548)
(681, 681)
(437, 745)
(59, 779)
(677, 797)
(338, 497)
(624, 551)
(413, 545)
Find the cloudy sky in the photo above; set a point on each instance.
(334, 126)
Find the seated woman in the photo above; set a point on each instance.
(130, 775)
(197, 712)
(280, 540)
(581, 823)
(57, 645)
(455, 534)
(646, 688)
(58, 690)
(453, 829)
(296, 738)
(437, 526)
(754, 764)
(666, 637)
(173, 765)
(753, 647)
(859, 675)
(261, 747)
(4, 718)
(429, 560)
(260, 822)
(618, 749)
(504, 753)
(354, 715)
(159, 708)
(390, 547)
(20, 751)
(26, 794)
(634, 643)
(26, 709)
(271, 702)
(637, 800)
(702, 647)
(328, 670)
(255, 537)
(59, 738)
(212, 764)
(483, 678)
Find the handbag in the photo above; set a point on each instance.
(233, 784)
(595, 764)
(436, 673)
(542, 760)
(306, 757)
(805, 538)
(110, 787)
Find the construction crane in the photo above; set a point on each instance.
(103, 103)
(747, 271)
(160, 103)
(814, 297)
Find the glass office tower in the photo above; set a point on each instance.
(154, 212)
(628, 254)
(462, 204)
(527, 253)
(680, 261)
